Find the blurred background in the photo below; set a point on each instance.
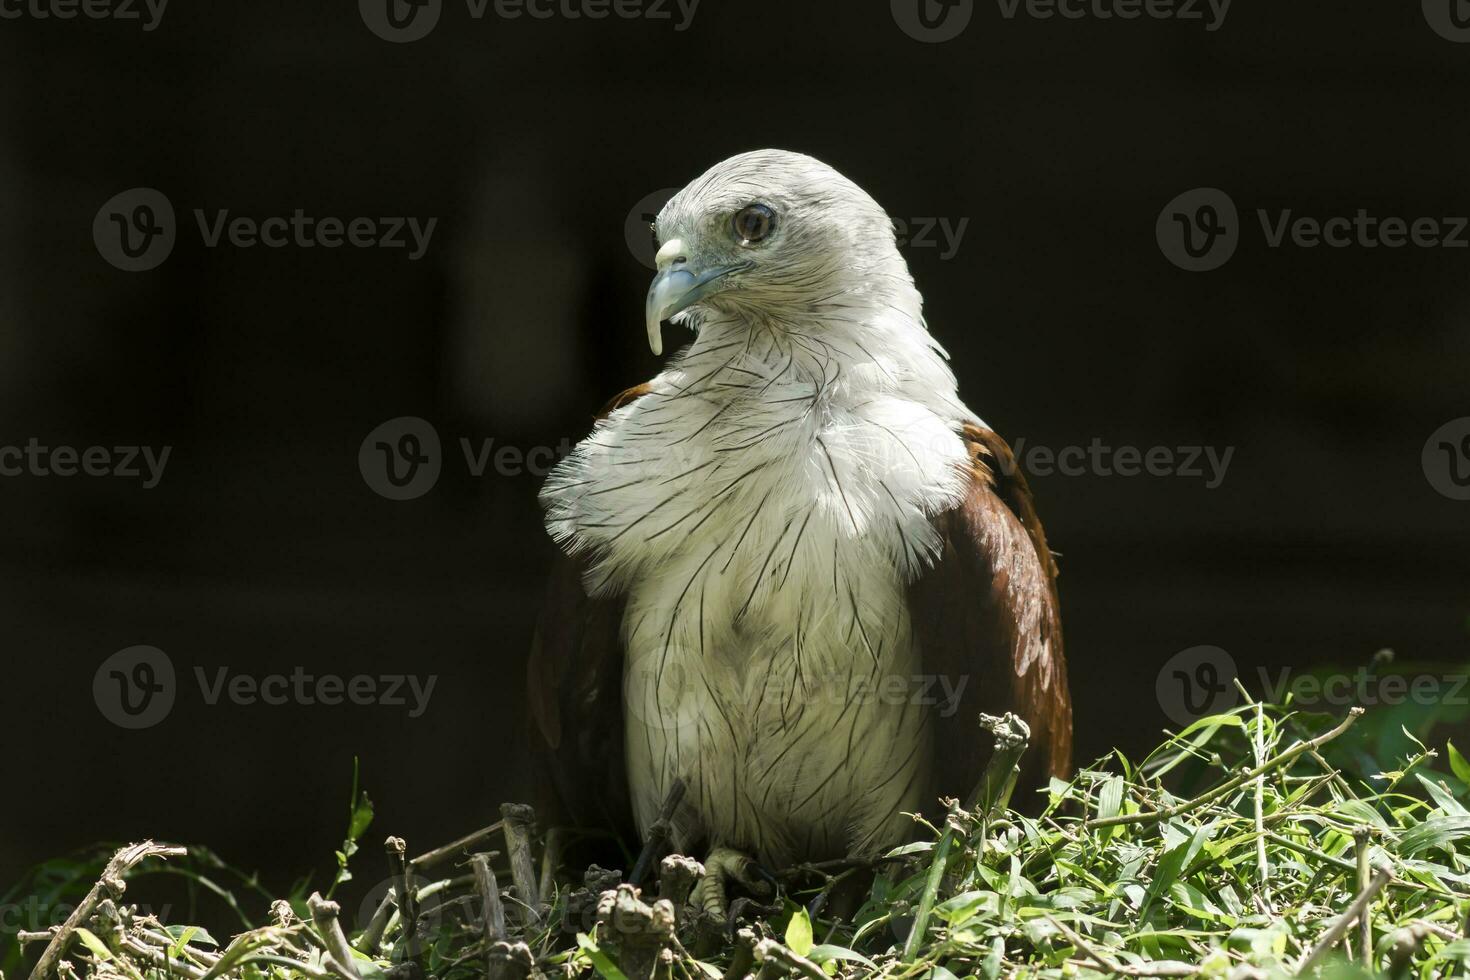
(536, 144)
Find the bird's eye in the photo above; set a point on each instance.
(754, 224)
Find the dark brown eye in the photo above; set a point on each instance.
(754, 223)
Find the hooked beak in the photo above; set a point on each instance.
(677, 287)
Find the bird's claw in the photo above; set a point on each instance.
(724, 865)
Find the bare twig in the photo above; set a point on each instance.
(510, 961)
(1012, 736)
(504, 960)
(676, 877)
(1155, 968)
(1406, 943)
(550, 860)
(658, 834)
(464, 846)
(640, 932)
(324, 914)
(1258, 746)
(1340, 925)
(408, 910)
(492, 912)
(768, 950)
(111, 884)
(1361, 836)
(519, 827)
(992, 794)
(373, 934)
(744, 956)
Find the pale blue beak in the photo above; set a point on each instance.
(677, 287)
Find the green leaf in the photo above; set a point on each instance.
(98, 947)
(1110, 798)
(1436, 832)
(362, 817)
(601, 962)
(1442, 797)
(990, 968)
(1458, 764)
(799, 933)
(939, 973)
(192, 936)
(182, 935)
(1212, 722)
(827, 953)
(1175, 860)
(966, 906)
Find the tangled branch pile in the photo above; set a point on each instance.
(1237, 849)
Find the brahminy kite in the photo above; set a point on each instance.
(797, 566)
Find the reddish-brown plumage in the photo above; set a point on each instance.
(988, 610)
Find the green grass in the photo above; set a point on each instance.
(1233, 850)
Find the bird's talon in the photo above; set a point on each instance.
(711, 896)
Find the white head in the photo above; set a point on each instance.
(778, 237)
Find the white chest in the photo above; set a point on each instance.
(763, 525)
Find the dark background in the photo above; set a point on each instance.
(263, 548)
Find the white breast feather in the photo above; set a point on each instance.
(763, 509)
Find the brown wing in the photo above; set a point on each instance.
(987, 614)
(575, 691)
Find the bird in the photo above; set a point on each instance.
(793, 567)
